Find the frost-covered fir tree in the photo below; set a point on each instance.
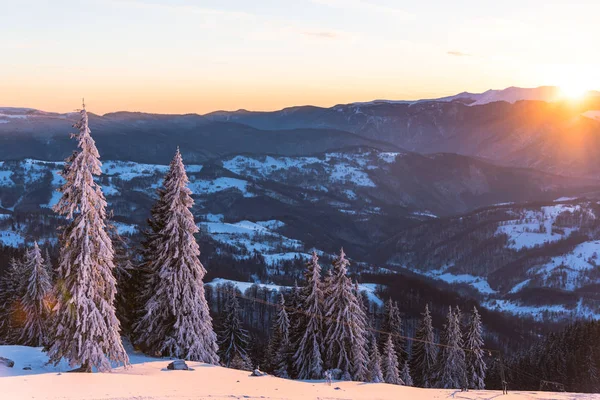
(476, 367)
(391, 373)
(346, 323)
(375, 373)
(175, 321)
(36, 300)
(48, 265)
(451, 367)
(360, 354)
(280, 346)
(424, 353)
(86, 329)
(405, 374)
(308, 361)
(392, 323)
(234, 338)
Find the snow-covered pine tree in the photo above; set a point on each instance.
(405, 375)
(345, 322)
(176, 320)
(391, 373)
(375, 374)
(36, 300)
(308, 361)
(476, 367)
(360, 354)
(234, 338)
(48, 265)
(451, 368)
(143, 277)
(392, 323)
(424, 354)
(280, 346)
(86, 329)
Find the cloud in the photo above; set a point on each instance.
(458, 54)
(322, 35)
(367, 5)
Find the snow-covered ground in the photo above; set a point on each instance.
(337, 167)
(535, 228)
(148, 379)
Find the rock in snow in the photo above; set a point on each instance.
(6, 362)
(178, 365)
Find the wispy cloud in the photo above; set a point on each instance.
(459, 54)
(366, 5)
(189, 8)
(322, 35)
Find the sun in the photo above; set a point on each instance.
(574, 86)
(573, 91)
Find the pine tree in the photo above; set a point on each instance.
(476, 367)
(391, 374)
(307, 358)
(234, 338)
(12, 289)
(451, 368)
(36, 300)
(405, 374)
(375, 374)
(48, 265)
(125, 301)
(360, 355)
(280, 345)
(176, 321)
(344, 340)
(392, 323)
(424, 352)
(86, 329)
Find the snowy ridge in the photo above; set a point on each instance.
(349, 169)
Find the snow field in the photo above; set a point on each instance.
(148, 379)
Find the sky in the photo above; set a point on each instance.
(197, 56)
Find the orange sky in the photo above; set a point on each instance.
(182, 56)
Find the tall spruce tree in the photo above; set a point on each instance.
(233, 337)
(451, 368)
(280, 346)
(424, 352)
(391, 372)
(375, 373)
(476, 367)
(86, 329)
(176, 321)
(360, 353)
(344, 340)
(308, 361)
(405, 375)
(392, 323)
(36, 300)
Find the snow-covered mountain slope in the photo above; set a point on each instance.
(509, 95)
(149, 379)
(536, 259)
(494, 125)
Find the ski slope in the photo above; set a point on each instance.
(148, 379)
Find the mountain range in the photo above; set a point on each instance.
(444, 188)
